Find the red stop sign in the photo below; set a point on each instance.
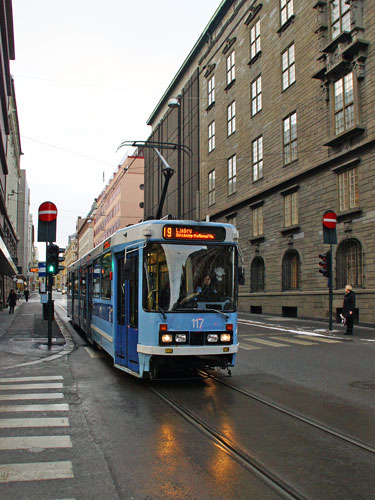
(47, 211)
(330, 220)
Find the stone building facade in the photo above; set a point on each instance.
(288, 134)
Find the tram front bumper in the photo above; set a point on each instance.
(187, 350)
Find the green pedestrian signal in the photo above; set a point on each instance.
(52, 259)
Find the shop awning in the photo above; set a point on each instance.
(7, 265)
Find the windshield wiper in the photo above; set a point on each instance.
(217, 311)
(162, 312)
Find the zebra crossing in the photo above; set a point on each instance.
(251, 343)
(17, 397)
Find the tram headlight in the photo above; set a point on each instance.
(225, 337)
(212, 337)
(166, 338)
(180, 338)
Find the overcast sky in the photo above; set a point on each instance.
(88, 75)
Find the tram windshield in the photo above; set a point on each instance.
(189, 277)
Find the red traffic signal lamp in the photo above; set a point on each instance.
(325, 264)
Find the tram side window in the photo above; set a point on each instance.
(83, 282)
(96, 279)
(106, 269)
(75, 285)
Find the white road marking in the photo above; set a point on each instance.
(248, 347)
(322, 339)
(30, 379)
(94, 354)
(26, 442)
(11, 387)
(35, 471)
(47, 407)
(31, 395)
(14, 423)
(294, 341)
(265, 342)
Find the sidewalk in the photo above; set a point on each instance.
(315, 326)
(24, 335)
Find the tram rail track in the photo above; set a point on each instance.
(255, 467)
(302, 418)
(268, 475)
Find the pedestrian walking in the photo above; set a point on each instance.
(348, 309)
(12, 300)
(26, 294)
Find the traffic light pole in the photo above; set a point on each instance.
(49, 306)
(330, 287)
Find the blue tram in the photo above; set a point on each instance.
(160, 296)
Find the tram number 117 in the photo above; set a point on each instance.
(197, 323)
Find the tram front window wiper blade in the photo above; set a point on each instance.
(162, 312)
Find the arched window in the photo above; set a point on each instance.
(349, 264)
(291, 271)
(257, 275)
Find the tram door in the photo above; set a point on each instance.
(127, 313)
(89, 302)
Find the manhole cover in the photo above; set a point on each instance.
(365, 384)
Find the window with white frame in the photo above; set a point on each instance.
(211, 187)
(340, 17)
(211, 137)
(348, 189)
(291, 209)
(257, 222)
(290, 138)
(256, 96)
(231, 117)
(344, 103)
(286, 10)
(231, 67)
(288, 67)
(257, 158)
(211, 90)
(255, 40)
(232, 174)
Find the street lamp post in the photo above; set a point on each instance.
(176, 103)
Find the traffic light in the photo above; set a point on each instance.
(52, 259)
(325, 264)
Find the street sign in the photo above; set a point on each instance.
(330, 220)
(47, 211)
(42, 269)
(47, 222)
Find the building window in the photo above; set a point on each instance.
(348, 189)
(349, 263)
(291, 209)
(232, 219)
(211, 90)
(257, 216)
(232, 175)
(211, 137)
(257, 275)
(288, 67)
(291, 271)
(231, 118)
(257, 158)
(255, 40)
(256, 96)
(286, 10)
(340, 17)
(211, 187)
(231, 67)
(290, 138)
(344, 103)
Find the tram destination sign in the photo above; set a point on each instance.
(193, 233)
